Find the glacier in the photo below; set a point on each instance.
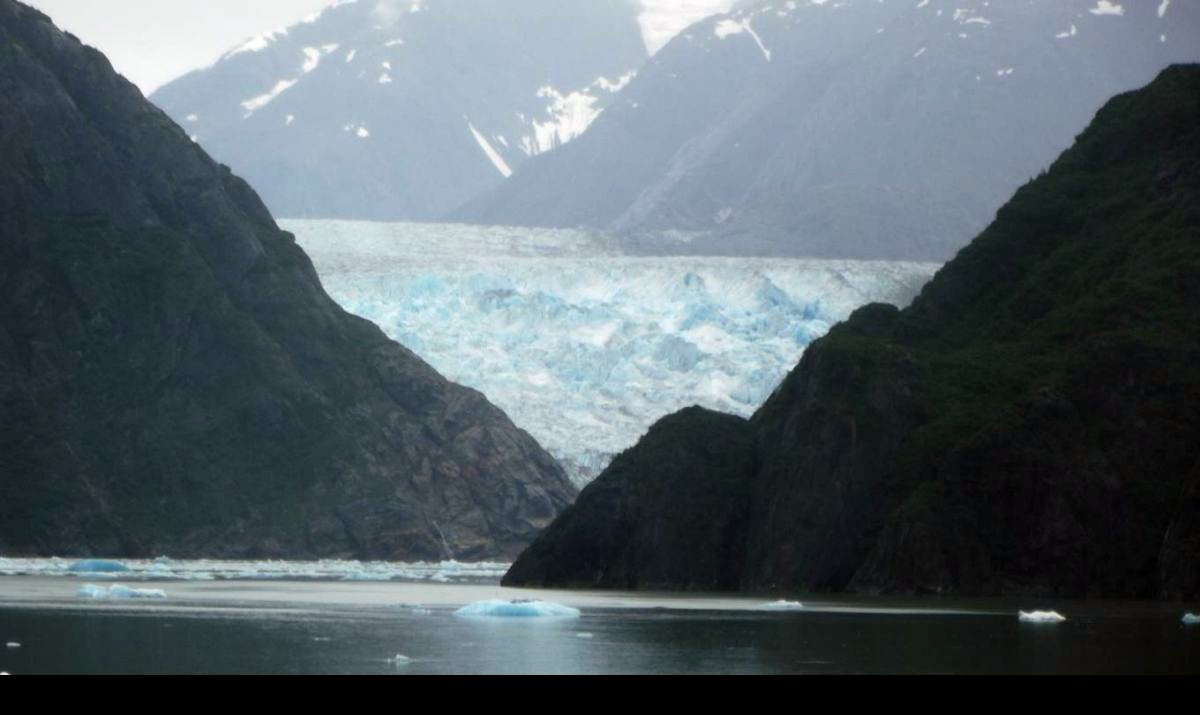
(581, 342)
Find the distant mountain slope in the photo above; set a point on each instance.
(1029, 425)
(404, 109)
(857, 128)
(173, 378)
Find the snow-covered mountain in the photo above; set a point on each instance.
(406, 108)
(856, 128)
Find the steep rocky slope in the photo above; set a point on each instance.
(173, 378)
(1030, 424)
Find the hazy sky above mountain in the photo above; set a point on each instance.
(154, 41)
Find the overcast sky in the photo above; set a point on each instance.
(154, 41)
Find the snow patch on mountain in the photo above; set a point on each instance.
(728, 27)
(492, 155)
(1105, 7)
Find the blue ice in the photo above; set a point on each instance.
(97, 566)
(497, 608)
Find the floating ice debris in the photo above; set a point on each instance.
(585, 636)
(12, 644)
(780, 606)
(118, 591)
(162, 569)
(497, 608)
(91, 590)
(97, 566)
(367, 576)
(1191, 619)
(1041, 617)
(399, 659)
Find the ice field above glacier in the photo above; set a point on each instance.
(581, 344)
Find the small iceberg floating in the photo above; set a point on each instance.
(97, 566)
(399, 660)
(1041, 617)
(1191, 619)
(780, 606)
(12, 644)
(585, 636)
(118, 591)
(497, 608)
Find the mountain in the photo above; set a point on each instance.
(1029, 424)
(858, 128)
(404, 109)
(173, 378)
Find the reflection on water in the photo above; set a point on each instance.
(331, 627)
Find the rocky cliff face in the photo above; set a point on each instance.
(857, 128)
(1029, 425)
(173, 378)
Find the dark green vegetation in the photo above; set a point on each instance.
(174, 379)
(1028, 425)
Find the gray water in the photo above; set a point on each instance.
(312, 627)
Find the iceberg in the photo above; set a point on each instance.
(571, 336)
(780, 606)
(119, 591)
(1041, 617)
(12, 644)
(1191, 619)
(97, 566)
(498, 608)
(399, 660)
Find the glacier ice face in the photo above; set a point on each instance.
(498, 608)
(582, 345)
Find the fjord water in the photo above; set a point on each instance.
(294, 626)
(581, 342)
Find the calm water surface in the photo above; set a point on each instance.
(358, 627)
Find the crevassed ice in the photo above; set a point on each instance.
(583, 346)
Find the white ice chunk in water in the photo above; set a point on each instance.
(780, 605)
(498, 608)
(1041, 617)
(119, 591)
(399, 659)
(585, 636)
(12, 644)
(1191, 619)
